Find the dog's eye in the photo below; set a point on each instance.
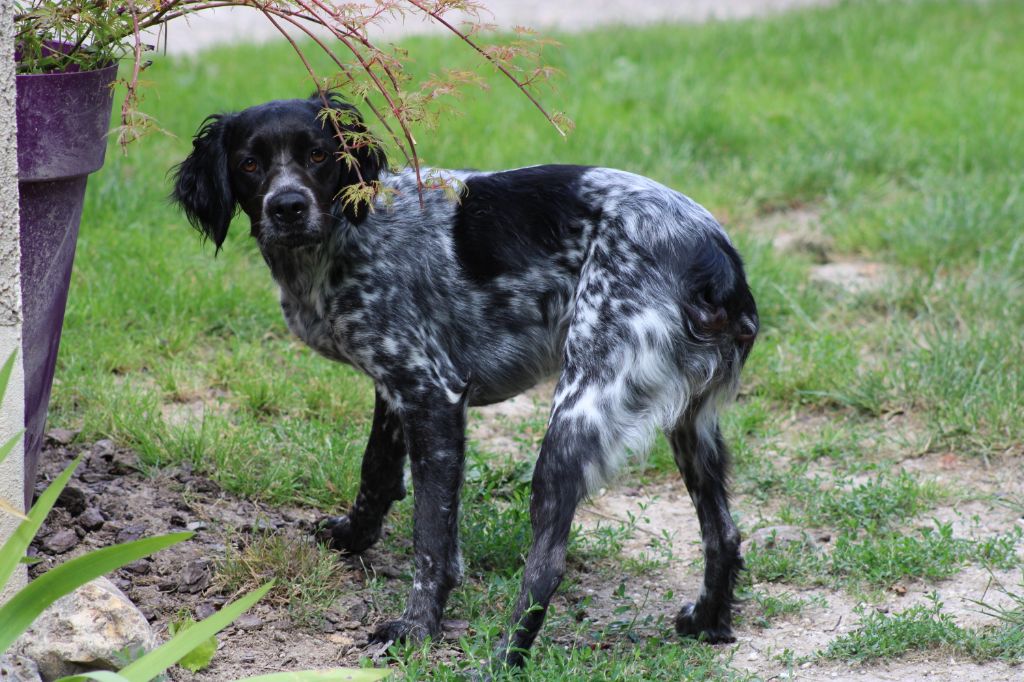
(318, 156)
(249, 165)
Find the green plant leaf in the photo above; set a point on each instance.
(98, 675)
(331, 675)
(179, 646)
(23, 608)
(16, 545)
(200, 657)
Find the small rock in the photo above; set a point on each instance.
(196, 525)
(327, 627)
(248, 621)
(124, 461)
(91, 519)
(88, 629)
(18, 669)
(453, 629)
(73, 499)
(195, 578)
(348, 608)
(131, 533)
(61, 437)
(775, 536)
(261, 525)
(139, 567)
(94, 477)
(247, 658)
(205, 610)
(61, 541)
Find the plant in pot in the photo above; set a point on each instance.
(67, 54)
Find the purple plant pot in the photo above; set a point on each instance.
(63, 119)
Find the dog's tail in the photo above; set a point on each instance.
(718, 304)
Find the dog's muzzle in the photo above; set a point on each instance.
(289, 208)
(290, 218)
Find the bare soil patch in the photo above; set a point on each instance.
(109, 500)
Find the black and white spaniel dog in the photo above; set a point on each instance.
(628, 289)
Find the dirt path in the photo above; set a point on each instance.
(246, 25)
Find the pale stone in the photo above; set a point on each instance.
(776, 536)
(95, 627)
(18, 669)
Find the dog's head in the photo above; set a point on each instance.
(283, 163)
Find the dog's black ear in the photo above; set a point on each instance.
(201, 184)
(363, 158)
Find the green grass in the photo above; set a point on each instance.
(307, 579)
(921, 628)
(896, 124)
(865, 561)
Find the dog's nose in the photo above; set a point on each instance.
(289, 207)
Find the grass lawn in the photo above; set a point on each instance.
(886, 136)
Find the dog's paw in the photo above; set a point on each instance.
(690, 624)
(339, 533)
(401, 630)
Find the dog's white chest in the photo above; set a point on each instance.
(309, 320)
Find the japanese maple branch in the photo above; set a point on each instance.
(382, 89)
(348, 73)
(498, 65)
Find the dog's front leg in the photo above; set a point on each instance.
(435, 434)
(382, 484)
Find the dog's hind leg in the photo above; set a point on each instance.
(382, 483)
(703, 459)
(558, 487)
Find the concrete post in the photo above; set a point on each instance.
(12, 410)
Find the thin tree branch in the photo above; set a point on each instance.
(498, 65)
